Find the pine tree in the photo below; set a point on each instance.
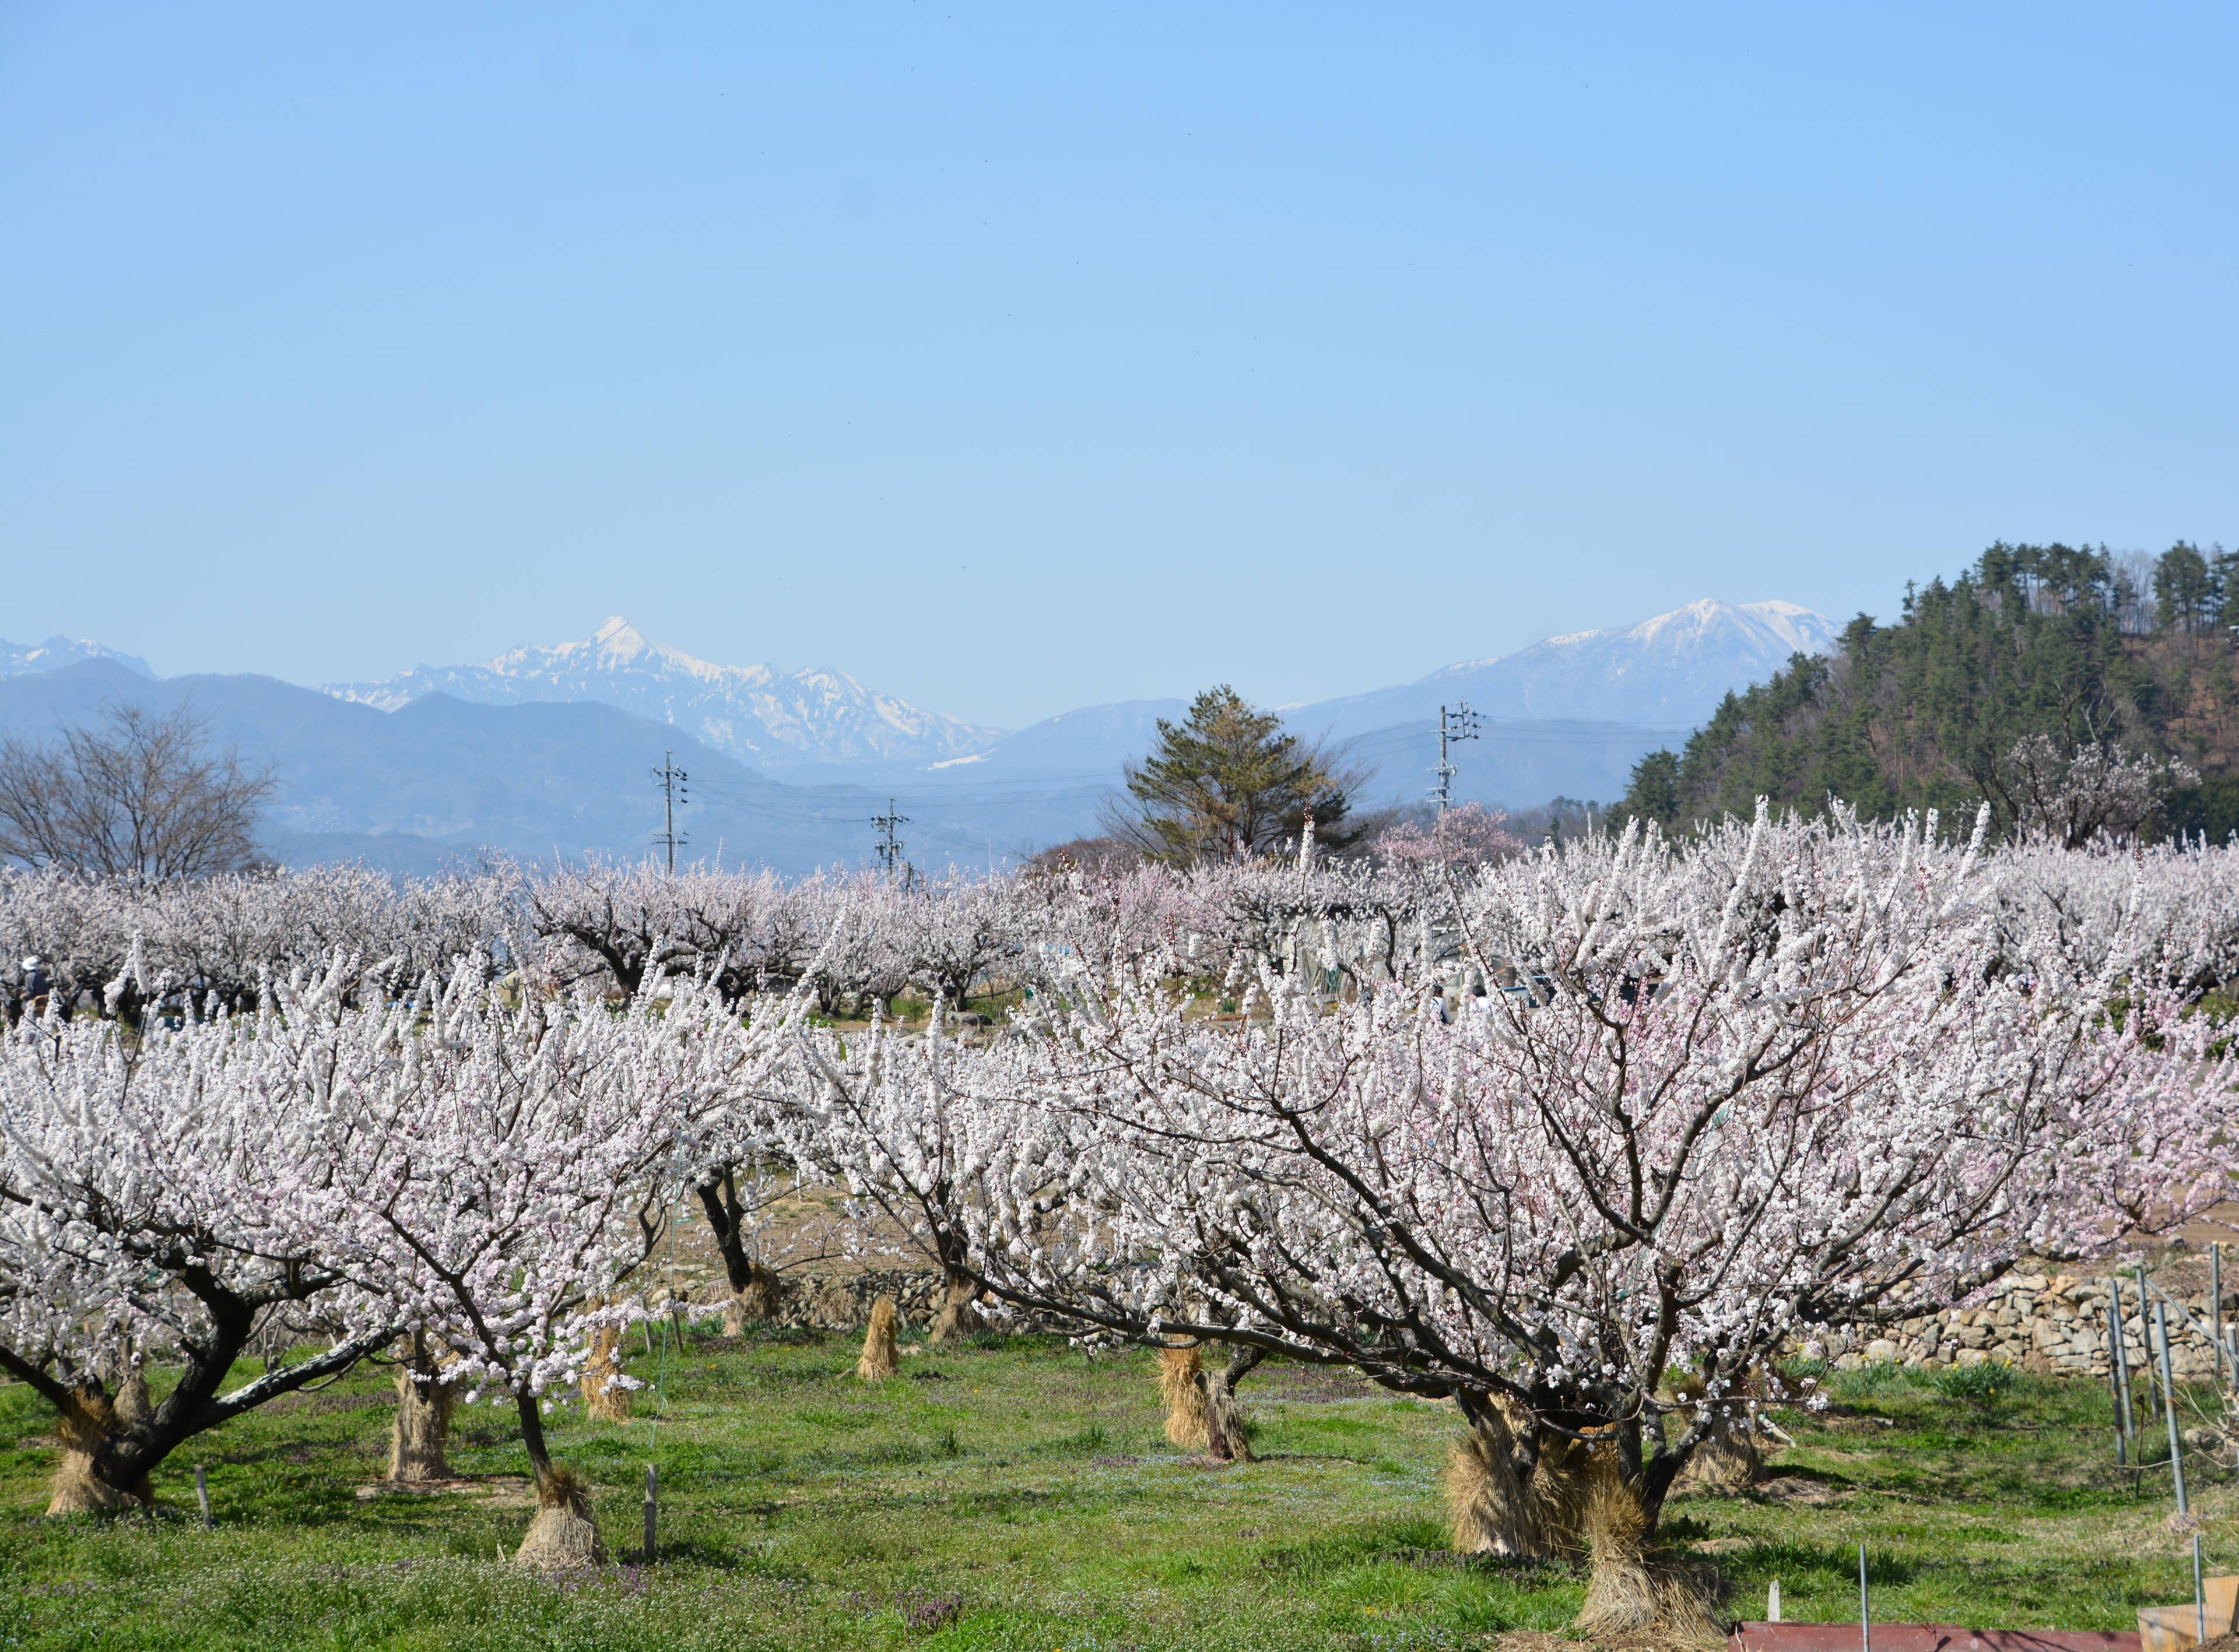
(1228, 782)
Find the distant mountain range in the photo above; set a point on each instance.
(548, 751)
(19, 658)
(758, 714)
(1671, 672)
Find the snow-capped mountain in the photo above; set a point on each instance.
(17, 659)
(757, 713)
(1670, 672)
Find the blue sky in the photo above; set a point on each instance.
(1016, 358)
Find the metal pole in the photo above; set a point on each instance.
(2168, 1406)
(2216, 1301)
(653, 1503)
(2121, 1355)
(1866, 1614)
(201, 1494)
(1445, 774)
(2146, 1324)
(2115, 1377)
(2199, 1595)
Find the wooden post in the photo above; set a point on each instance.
(201, 1494)
(651, 1504)
(2168, 1406)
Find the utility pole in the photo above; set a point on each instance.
(890, 847)
(670, 778)
(1455, 723)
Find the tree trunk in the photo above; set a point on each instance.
(754, 1287)
(422, 1432)
(562, 1538)
(1225, 1439)
(87, 1423)
(959, 1316)
(604, 1398)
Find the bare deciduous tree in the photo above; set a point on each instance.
(2071, 797)
(141, 798)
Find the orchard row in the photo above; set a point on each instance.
(1581, 1137)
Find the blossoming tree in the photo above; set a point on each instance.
(1790, 1075)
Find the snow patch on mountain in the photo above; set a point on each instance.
(20, 658)
(1672, 668)
(1668, 672)
(757, 713)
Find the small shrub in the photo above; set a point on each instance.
(1982, 1386)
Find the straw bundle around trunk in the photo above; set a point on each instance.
(134, 1405)
(1630, 1590)
(881, 1358)
(1181, 1384)
(1502, 1499)
(420, 1438)
(959, 1315)
(755, 1301)
(87, 1421)
(1729, 1458)
(1202, 1413)
(563, 1536)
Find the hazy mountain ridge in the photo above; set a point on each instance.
(443, 780)
(755, 714)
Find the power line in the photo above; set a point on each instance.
(671, 781)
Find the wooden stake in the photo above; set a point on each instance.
(652, 1505)
(201, 1494)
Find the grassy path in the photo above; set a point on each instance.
(1013, 1494)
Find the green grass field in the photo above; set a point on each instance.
(1014, 1493)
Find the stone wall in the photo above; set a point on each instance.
(2053, 1324)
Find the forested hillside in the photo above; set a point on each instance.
(2074, 644)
